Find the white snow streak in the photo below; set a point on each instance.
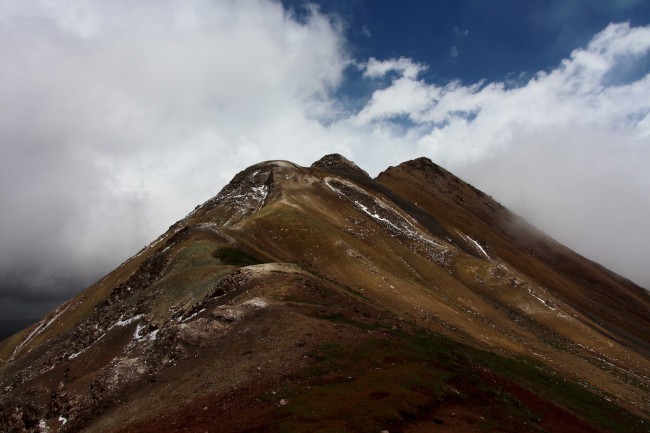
(76, 354)
(260, 193)
(405, 227)
(137, 336)
(479, 247)
(128, 321)
(242, 202)
(183, 320)
(540, 299)
(153, 335)
(255, 303)
(476, 245)
(40, 328)
(377, 217)
(121, 323)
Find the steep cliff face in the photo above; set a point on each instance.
(307, 299)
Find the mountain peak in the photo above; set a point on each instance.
(294, 285)
(333, 159)
(338, 164)
(422, 164)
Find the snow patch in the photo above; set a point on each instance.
(138, 336)
(399, 224)
(546, 304)
(255, 303)
(478, 247)
(40, 328)
(63, 420)
(475, 244)
(260, 193)
(210, 226)
(244, 199)
(377, 217)
(75, 355)
(126, 322)
(82, 351)
(147, 247)
(153, 335)
(191, 316)
(539, 354)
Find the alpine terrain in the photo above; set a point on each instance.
(321, 300)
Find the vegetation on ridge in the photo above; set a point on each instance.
(235, 257)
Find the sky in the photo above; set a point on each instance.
(118, 118)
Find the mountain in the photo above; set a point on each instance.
(319, 299)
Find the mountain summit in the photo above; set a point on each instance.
(320, 299)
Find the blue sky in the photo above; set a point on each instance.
(474, 40)
(118, 118)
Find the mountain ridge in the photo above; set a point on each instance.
(286, 264)
(538, 244)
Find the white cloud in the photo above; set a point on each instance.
(406, 96)
(406, 67)
(573, 95)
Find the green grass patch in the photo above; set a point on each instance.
(191, 254)
(235, 257)
(183, 288)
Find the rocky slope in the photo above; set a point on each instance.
(320, 299)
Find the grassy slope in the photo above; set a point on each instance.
(599, 294)
(444, 361)
(375, 376)
(349, 343)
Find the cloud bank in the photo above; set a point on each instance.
(117, 118)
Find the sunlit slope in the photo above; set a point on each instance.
(599, 294)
